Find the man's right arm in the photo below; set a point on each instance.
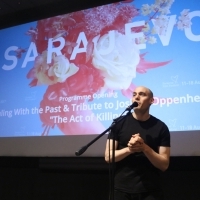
(119, 154)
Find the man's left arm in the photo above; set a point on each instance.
(161, 159)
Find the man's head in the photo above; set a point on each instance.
(144, 97)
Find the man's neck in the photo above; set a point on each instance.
(141, 116)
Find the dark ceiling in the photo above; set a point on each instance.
(15, 12)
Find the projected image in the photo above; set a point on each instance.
(73, 74)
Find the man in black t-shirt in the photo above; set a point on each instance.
(142, 150)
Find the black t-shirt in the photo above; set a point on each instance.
(135, 173)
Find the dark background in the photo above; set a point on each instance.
(75, 178)
(14, 12)
(85, 178)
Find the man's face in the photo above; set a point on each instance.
(143, 97)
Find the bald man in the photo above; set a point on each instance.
(142, 151)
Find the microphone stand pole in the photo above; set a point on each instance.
(84, 148)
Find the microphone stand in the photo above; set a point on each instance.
(115, 121)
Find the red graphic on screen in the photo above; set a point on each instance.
(109, 62)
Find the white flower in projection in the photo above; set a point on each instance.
(58, 71)
(152, 40)
(158, 13)
(61, 68)
(146, 28)
(146, 9)
(161, 24)
(164, 3)
(116, 56)
(162, 6)
(141, 40)
(154, 31)
(184, 20)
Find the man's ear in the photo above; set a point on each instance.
(151, 101)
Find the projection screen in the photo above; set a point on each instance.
(64, 79)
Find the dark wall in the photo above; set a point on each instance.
(85, 179)
(46, 10)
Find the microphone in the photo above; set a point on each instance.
(134, 104)
(129, 108)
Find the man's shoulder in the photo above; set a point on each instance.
(158, 121)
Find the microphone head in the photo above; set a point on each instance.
(135, 104)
